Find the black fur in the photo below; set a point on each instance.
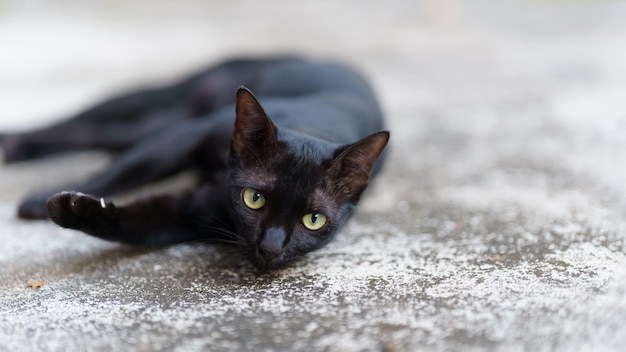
(308, 152)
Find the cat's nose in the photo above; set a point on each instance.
(272, 243)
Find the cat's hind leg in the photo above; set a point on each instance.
(160, 156)
(115, 125)
(118, 123)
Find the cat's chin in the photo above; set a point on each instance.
(265, 264)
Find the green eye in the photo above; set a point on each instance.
(253, 199)
(314, 221)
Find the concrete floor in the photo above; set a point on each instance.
(498, 224)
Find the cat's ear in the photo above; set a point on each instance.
(353, 164)
(253, 128)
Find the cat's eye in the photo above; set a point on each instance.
(253, 199)
(314, 221)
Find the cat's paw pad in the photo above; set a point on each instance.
(75, 210)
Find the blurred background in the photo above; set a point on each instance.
(489, 73)
(497, 224)
(66, 54)
(493, 67)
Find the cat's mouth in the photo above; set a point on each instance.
(264, 261)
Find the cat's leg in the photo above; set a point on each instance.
(114, 124)
(156, 220)
(120, 122)
(157, 157)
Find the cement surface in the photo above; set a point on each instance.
(497, 225)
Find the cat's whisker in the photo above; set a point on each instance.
(223, 242)
(229, 234)
(220, 227)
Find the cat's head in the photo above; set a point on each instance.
(290, 193)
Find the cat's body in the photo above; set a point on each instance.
(278, 181)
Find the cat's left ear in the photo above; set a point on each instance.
(354, 163)
(253, 128)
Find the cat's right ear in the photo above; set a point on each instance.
(253, 128)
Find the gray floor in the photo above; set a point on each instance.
(498, 224)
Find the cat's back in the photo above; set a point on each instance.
(310, 76)
(325, 99)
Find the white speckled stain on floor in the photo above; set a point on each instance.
(498, 223)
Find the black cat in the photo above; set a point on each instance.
(276, 188)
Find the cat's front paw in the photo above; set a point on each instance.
(76, 210)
